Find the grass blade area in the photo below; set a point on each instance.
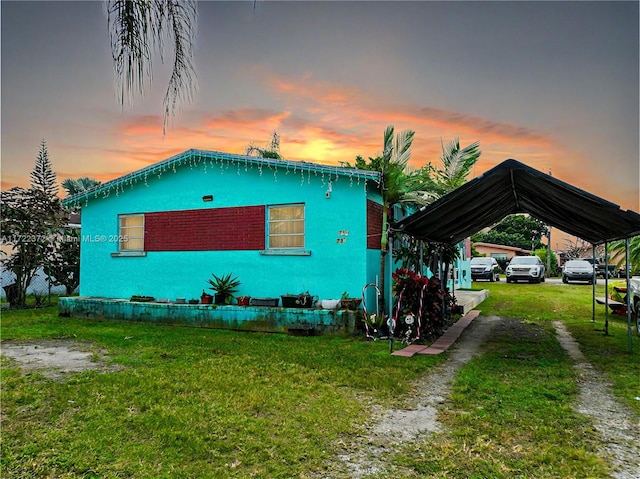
(190, 402)
(510, 415)
(572, 304)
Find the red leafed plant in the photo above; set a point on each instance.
(411, 286)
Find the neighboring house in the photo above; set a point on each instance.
(500, 252)
(278, 226)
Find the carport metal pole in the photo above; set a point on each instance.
(626, 267)
(593, 296)
(606, 288)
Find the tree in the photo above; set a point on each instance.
(395, 156)
(63, 264)
(271, 151)
(138, 30)
(414, 189)
(456, 164)
(392, 166)
(42, 176)
(617, 250)
(79, 185)
(543, 253)
(429, 183)
(31, 218)
(519, 231)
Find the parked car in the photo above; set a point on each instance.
(578, 270)
(485, 268)
(525, 268)
(601, 268)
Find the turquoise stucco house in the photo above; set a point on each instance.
(278, 226)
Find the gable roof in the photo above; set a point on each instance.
(196, 158)
(513, 187)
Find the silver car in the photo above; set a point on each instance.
(525, 268)
(578, 270)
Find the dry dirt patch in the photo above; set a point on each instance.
(56, 358)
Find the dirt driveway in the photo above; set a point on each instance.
(617, 425)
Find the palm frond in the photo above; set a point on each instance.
(182, 21)
(137, 29)
(457, 163)
(402, 147)
(617, 249)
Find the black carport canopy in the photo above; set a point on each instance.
(513, 187)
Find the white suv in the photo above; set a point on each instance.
(526, 268)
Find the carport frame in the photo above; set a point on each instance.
(511, 188)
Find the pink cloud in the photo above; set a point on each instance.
(328, 123)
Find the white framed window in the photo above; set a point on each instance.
(131, 232)
(285, 227)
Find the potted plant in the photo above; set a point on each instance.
(301, 300)
(224, 286)
(206, 298)
(243, 300)
(349, 303)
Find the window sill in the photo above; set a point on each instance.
(285, 252)
(129, 254)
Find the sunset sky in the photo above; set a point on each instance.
(551, 84)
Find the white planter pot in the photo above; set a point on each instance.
(330, 303)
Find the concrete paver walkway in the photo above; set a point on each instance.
(443, 342)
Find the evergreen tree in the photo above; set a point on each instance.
(42, 177)
(32, 223)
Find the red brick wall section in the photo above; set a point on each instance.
(216, 229)
(374, 224)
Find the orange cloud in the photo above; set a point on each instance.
(305, 88)
(329, 123)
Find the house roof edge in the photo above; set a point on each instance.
(204, 155)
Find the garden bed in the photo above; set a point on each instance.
(249, 318)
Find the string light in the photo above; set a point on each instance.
(225, 160)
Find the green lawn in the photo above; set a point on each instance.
(205, 403)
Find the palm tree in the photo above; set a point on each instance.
(617, 249)
(79, 185)
(427, 184)
(456, 164)
(395, 156)
(414, 189)
(138, 29)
